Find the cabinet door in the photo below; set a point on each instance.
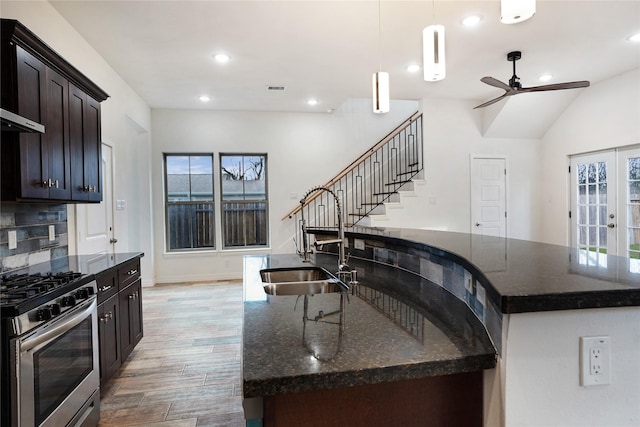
(57, 136)
(92, 145)
(109, 336)
(85, 146)
(31, 84)
(131, 318)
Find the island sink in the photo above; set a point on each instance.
(300, 281)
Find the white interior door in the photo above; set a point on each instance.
(488, 196)
(95, 220)
(628, 224)
(593, 203)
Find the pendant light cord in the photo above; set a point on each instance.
(379, 36)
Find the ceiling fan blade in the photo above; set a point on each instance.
(556, 86)
(493, 101)
(495, 82)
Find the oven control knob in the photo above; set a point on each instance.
(82, 294)
(69, 301)
(44, 313)
(90, 290)
(56, 309)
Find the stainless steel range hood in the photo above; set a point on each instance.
(15, 123)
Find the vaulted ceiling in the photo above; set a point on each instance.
(328, 50)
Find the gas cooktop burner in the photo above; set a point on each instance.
(21, 292)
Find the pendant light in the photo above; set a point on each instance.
(433, 51)
(380, 80)
(515, 11)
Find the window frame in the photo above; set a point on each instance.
(168, 204)
(244, 201)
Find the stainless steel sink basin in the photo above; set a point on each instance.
(300, 281)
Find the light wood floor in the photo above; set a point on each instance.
(186, 370)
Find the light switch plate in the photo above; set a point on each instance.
(52, 233)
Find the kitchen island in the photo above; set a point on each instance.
(527, 302)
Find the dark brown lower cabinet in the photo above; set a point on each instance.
(131, 314)
(443, 401)
(119, 315)
(109, 332)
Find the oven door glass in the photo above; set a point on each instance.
(60, 366)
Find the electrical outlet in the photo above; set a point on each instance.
(595, 361)
(13, 239)
(52, 233)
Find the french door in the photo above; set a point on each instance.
(605, 202)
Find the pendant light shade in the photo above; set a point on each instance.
(380, 84)
(433, 53)
(514, 11)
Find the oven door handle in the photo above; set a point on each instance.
(58, 329)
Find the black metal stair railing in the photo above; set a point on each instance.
(368, 182)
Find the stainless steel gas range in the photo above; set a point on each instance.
(49, 359)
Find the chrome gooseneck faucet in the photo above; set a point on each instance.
(343, 269)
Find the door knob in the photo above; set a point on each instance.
(113, 241)
(611, 225)
(477, 224)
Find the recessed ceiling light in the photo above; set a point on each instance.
(204, 98)
(471, 21)
(545, 77)
(312, 101)
(635, 37)
(221, 58)
(413, 68)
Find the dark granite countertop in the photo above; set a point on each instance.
(86, 264)
(523, 276)
(398, 326)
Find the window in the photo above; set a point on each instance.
(189, 201)
(244, 200)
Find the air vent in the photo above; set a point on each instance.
(276, 88)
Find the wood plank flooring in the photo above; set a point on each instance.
(186, 371)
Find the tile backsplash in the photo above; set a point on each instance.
(31, 222)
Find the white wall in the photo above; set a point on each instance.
(542, 383)
(606, 115)
(125, 124)
(303, 150)
(452, 134)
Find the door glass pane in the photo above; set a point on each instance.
(582, 194)
(593, 216)
(582, 174)
(591, 205)
(633, 207)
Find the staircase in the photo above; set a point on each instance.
(380, 179)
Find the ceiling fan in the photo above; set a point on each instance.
(514, 87)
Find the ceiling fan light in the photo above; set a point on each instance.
(433, 53)
(380, 85)
(515, 11)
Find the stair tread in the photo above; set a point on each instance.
(398, 182)
(407, 173)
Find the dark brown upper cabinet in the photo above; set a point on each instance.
(64, 163)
